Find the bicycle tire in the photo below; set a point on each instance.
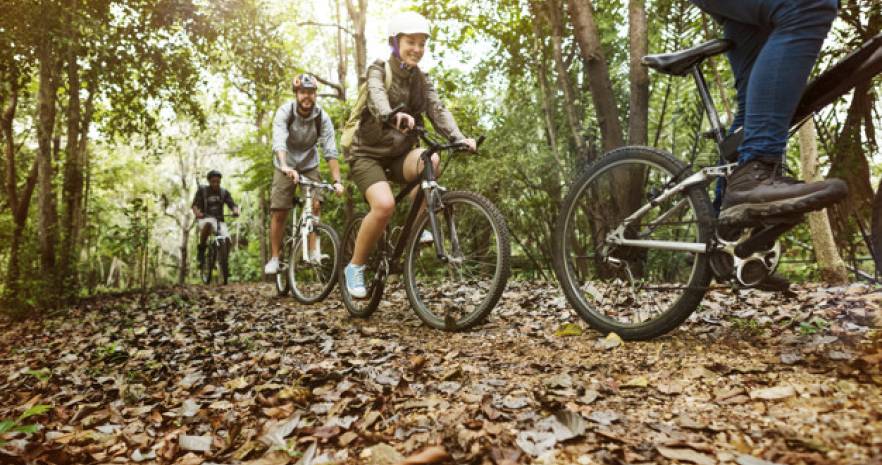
(283, 287)
(500, 274)
(208, 263)
(362, 308)
(223, 262)
(321, 230)
(701, 271)
(876, 230)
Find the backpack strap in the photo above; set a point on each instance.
(318, 122)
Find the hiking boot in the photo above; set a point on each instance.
(756, 191)
(200, 254)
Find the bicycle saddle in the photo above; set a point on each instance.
(681, 62)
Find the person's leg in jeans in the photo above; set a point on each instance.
(776, 45)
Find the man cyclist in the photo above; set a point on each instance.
(776, 45)
(298, 127)
(208, 206)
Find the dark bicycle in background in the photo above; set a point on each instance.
(217, 253)
(638, 262)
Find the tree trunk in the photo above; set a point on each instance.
(849, 163)
(359, 18)
(554, 9)
(342, 62)
(830, 264)
(588, 37)
(638, 115)
(73, 179)
(46, 99)
(18, 199)
(544, 96)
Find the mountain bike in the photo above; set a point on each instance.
(217, 252)
(310, 253)
(453, 282)
(638, 262)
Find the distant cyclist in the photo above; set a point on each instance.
(298, 128)
(208, 206)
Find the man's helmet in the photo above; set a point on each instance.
(408, 22)
(212, 174)
(304, 81)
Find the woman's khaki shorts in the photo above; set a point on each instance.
(282, 193)
(366, 171)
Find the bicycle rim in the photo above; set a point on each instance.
(458, 293)
(312, 280)
(637, 292)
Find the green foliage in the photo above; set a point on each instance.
(10, 426)
(813, 326)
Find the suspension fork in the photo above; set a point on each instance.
(430, 188)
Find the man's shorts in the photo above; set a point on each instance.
(215, 224)
(282, 194)
(366, 171)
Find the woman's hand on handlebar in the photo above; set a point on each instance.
(469, 144)
(404, 122)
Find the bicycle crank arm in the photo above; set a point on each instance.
(762, 239)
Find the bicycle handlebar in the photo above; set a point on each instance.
(424, 135)
(317, 185)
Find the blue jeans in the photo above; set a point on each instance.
(776, 45)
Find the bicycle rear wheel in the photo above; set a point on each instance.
(636, 292)
(312, 281)
(460, 292)
(375, 273)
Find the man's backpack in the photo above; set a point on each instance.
(351, 126)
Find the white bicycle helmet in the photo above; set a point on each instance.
(408, 22)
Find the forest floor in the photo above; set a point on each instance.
(233, 374)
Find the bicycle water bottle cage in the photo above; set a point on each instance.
(681, 63)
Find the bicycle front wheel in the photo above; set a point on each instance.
(281, 278)
(459, 291)
(636, 292)
(375, 273)
(313, 279)
(208, 264)
(223, 259)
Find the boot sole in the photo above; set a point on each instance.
(747, 214)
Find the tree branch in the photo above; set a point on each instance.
(338, 26)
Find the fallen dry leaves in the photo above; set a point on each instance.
(234, 375)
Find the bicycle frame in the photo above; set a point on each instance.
(304, 224)
(865, 62)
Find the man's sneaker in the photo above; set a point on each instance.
(426, 237)
(354, 275)
(272, 266)
(756, 191)
(200, 253)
